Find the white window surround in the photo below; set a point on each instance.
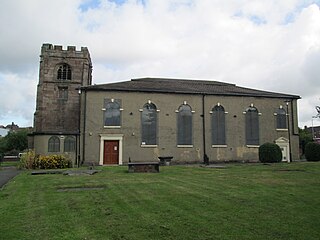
(185, 146)
(282, 129)
(253, 146)
(116, 137)
(219, 146)
(148, 146)
(111, 126)
(103, 109)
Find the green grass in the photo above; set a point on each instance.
(248, 201)
(9, 164)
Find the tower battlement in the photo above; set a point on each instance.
(58, 50)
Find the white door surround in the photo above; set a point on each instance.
(284, 145)
(117, 137)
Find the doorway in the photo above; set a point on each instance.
(111, 148)
(111, 152)
(283, 143)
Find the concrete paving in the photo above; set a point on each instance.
(6, 174)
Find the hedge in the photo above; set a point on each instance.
(270, 153)
(312, 152)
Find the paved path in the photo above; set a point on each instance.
(7, 173)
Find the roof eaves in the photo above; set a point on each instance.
(262, 94)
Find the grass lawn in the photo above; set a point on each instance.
(241, 201)
(9, 164)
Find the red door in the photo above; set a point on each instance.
(111, 152)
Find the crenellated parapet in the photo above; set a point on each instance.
(49, 49)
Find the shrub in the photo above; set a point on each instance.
(27, 159)
(269, 153)
(312, 151)
(53, 162)
(32, 161)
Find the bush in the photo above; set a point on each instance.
(27, 159)
(312, 152)
(270, 153)
(32, 161)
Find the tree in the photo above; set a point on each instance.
(304, 138)
(14, 142)
(2, 147)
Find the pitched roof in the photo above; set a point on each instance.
(183, 86)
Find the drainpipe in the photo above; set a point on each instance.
(88, 82)
(78, 146)
(289, 130)
(205, 156)
(84, 126)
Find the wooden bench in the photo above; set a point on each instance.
(147, 167)
(165, 161)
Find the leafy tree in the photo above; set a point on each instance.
(2, 147)
(14, 142)
(304, 138)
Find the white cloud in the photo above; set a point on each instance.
(270, 45)
(18, 97)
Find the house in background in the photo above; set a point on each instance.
(315, 132)
(4, 130)
(143, 119)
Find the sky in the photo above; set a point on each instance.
(263, 44)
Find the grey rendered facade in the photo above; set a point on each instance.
(167, 95)
(143, 119)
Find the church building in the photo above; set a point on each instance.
(143, 119)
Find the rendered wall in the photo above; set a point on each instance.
(236, 150)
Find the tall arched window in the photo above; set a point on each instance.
(218, 125)
(64, 72)
(54, 144)
(281, 118)
(149, 124)
(112, 114)
(69, 144)
(184, 125)
(252, 126)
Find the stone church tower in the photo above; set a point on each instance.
(57, 116)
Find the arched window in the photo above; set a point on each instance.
(149, 124)
(69, 144)
(112, 114)
(184, 125)
(218, 125)
(54, 144)
(281, 118)
(252, 126)
(64, 72)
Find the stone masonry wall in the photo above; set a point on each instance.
(53, 113)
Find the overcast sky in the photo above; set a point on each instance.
(265, 44)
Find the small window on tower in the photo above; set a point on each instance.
(64, 72)
(63, 93)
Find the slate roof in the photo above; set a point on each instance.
(183, 86)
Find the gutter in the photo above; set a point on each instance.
(205, 156)
(84, 126)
